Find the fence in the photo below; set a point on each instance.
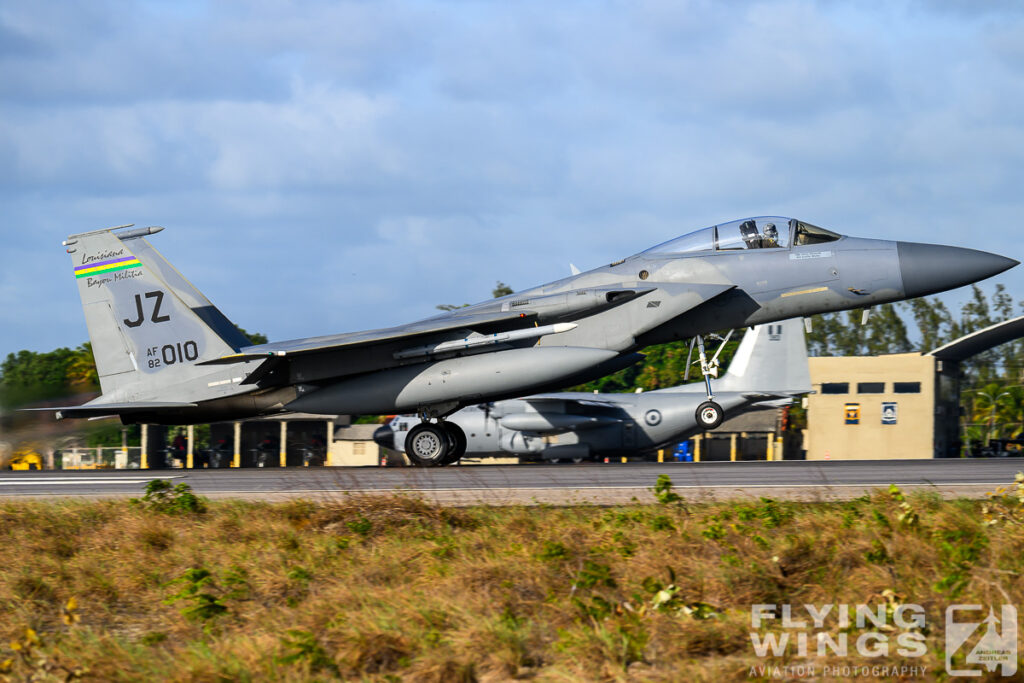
(99, 458)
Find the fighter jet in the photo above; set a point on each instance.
(769, 368)
(166, 355)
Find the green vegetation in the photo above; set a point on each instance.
(391, 588)
(163, 497)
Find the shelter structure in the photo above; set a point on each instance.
(896, 405)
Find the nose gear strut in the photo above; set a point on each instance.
(709, 414)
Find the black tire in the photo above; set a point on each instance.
(427, 445)
(456, 442)
(709, 415)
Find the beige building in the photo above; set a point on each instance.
(354, 446)
(871, 407)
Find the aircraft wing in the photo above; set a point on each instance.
(109, 409)
(770, 395)
(478, 322)
(583, 399)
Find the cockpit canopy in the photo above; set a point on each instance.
(763, 232)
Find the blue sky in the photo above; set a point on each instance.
(325, 167)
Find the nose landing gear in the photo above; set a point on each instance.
(709, 414)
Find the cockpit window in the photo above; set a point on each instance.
(702, 240)
(764, 232)
(812, 234)
(767, 232)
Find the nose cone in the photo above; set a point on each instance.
(931, 268)
(384, 437)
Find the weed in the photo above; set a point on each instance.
(1005, 507)
(959, 551)
(33, 660)
(878, 554)
(553, 551)
(161, 497)
(663, 492)
(773, 514)
(201, 593)
(713, 531)
(300, 574)
(153, 638)
(662, 523)
(594, 574)
(361, 526)
(306, 648)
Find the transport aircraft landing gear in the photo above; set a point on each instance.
(709, 414)
(434, 444)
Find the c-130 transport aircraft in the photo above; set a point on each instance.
(166, 355)
(768, 369)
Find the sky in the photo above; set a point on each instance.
(325, 167)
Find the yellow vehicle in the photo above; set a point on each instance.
(24, 458)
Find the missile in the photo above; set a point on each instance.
(575, 303)
(483, 340)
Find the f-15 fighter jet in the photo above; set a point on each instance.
(769, 368)
(165, 354)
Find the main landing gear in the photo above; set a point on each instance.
(435, 444)
(709, 414)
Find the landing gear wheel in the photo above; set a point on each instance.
(427, 445)
(456, 442)
(709, 415)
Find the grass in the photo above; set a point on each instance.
(393, 588)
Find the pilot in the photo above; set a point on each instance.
(770, 238)
(748, 233)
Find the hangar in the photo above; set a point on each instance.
(903, 405)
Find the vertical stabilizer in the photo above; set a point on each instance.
(771, 358)
(148, 325)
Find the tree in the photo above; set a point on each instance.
(934, 322)
(500, 290)
(81, 371)
(254, 337)
(29, 376)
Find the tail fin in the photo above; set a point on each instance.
(771, 358)
(148, 325)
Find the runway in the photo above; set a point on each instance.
(552, 484)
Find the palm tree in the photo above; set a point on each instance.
(990, 407)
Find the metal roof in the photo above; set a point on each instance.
(981, 341)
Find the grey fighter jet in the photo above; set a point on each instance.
(769, 368)
(165, 354)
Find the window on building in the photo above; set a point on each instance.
(835, 387)
(870, 387)
(906, 387)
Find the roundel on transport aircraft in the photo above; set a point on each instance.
(652, 417)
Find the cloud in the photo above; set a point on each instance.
(334, 166)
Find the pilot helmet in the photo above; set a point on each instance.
(770, 230)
